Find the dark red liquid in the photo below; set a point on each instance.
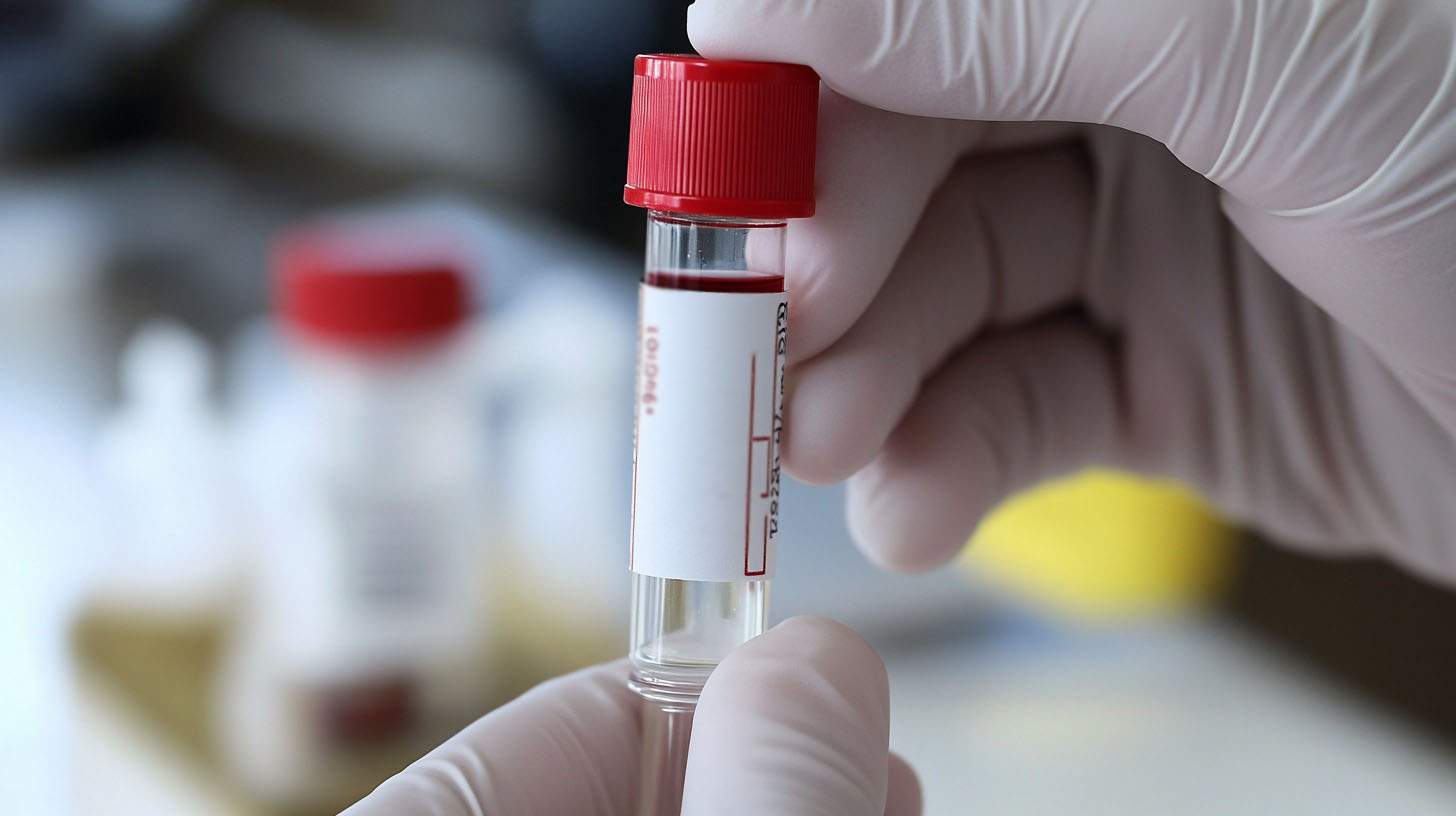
(708, 281)
(368, 711)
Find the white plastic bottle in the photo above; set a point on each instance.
(175, 525)
(365, 636)
(559, 363)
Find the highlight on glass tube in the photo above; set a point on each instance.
(721, 154)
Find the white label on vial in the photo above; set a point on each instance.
(705, 478)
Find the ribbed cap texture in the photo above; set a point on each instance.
(723, 138)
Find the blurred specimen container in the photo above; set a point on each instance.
(164, 458)
(557, 363)
(721, 154)
(365, 636)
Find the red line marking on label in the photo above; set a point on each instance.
(773, 408)
(748, 477)
(763, 568)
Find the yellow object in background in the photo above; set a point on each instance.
(1103, 546)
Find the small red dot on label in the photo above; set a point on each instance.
(649, 410)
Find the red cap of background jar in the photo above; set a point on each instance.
(367, 285)
(718, 137)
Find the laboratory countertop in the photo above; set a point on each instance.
(1187, 717)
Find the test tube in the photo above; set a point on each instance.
(721, 154)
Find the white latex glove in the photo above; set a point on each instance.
(794, 722)
(979, 306)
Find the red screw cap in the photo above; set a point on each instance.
(357, 285)
(717, 137)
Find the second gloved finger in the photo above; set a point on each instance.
(903, 797)
(797, 721)
(1006, 412)
(875, 170)
(1005, 238)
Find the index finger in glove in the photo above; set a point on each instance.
(1288, 105)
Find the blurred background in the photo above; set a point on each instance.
(266, 541)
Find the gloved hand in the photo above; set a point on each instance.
(794, 722)
(1263, 305)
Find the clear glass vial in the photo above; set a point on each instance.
(681, 629)
(721, 154)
